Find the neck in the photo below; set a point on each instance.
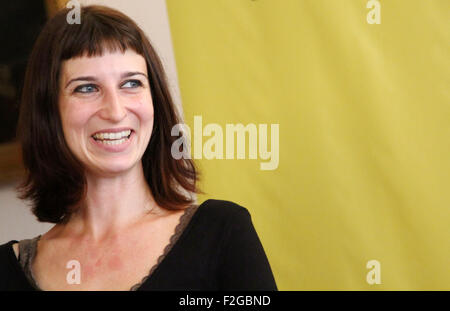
(112, 204)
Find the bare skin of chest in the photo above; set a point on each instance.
(115, 263)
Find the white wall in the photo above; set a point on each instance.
(16, 220)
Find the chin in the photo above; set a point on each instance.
(114, 168)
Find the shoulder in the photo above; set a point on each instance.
(6, 255)
(5, 248)
(11, 274)
(5, 251)
(224, 216)
(223, 209)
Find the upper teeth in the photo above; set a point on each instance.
(118, 135)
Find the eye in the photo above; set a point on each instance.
(132, 84)
(86, 88)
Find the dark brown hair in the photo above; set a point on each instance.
(55, 180)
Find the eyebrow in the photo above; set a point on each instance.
(92, 78)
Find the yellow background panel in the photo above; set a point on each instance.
(363, 111)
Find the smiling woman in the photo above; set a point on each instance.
(87, 91)
(95, 127)
(97, 92)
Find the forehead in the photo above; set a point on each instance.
(109, 63)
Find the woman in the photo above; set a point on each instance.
(95, 126)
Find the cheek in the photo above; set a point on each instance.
(74, 118)
(145, 110)
(148, 113)
(145, 114)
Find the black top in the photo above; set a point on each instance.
(216, 249)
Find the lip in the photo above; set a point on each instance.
(114, 130)
(114, 148)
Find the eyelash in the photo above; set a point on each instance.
(80, 87)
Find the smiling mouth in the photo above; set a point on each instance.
(112, 138)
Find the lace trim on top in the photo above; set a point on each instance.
(28, 247)
(27, 252)
(179, 229)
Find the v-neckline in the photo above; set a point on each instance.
(180, 229)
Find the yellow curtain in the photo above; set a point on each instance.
(361, 95)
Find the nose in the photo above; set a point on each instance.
(113, 108)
